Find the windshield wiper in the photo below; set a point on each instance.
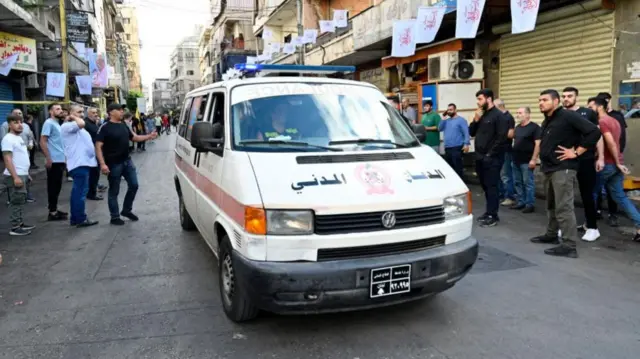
(289, 143)
(368, 140)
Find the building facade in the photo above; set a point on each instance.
(185, 68)
(161, 95)
(131, 41)
(204, 52)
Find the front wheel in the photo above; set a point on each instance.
(235, 301)
(185, 218)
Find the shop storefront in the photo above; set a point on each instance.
(569, 47)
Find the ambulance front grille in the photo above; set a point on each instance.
(372, 221)
(333, 254)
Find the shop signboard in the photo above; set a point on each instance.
(78, 29)
(24, 47)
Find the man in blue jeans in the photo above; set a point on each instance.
(456, 138)
(112, 150)
(611, 166)
(526, 148)
(506, 189)
(81, 156)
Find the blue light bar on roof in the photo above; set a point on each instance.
(293, 68)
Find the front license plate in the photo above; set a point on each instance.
(390, 281)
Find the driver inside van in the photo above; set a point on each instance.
(278, 126)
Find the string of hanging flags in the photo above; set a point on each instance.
(424, 28)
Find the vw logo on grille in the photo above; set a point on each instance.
(389, 220)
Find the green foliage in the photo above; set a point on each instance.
(132, 104)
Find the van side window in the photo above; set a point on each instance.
(217, 110)
(183, 118)
(196, 112)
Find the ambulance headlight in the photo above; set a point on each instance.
(282, 222)
(457, 206)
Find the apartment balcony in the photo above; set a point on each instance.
(51, 61)
(276, 13)
(119, 22)
(15, 18)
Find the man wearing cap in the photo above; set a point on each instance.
(112, 150)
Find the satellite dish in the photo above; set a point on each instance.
(464, 70)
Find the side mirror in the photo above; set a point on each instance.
(420, 132)
(206, 137)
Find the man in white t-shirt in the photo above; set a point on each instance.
(16, 174)
(81, 156)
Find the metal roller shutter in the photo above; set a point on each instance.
(6, 94)
(575, 51)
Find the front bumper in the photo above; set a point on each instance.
(334, 286)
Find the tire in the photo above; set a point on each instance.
(236, 303)
(185, 218)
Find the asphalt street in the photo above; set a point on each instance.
(149, 290)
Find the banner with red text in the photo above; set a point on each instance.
(468, 17)
(524, 14)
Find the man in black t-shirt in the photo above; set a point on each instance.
(526, 148)
(587, 175)
(112, 150)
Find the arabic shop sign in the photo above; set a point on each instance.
(376, 24)
(78, 27)
(24, 47)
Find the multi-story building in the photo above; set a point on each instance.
(204, 51)
(185, 67)
(232, 38)
(161, 95)
(146, 93)
(131, 41)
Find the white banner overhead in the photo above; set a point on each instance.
(289, 48)
(403, 43)
(267, 34)
(84, 84)
(56, 84)
(468, 18)
(7, 63)
(340, 18)
(310, 36)
(275, 48)
(428, 22)
(327, 26)
(524, 15)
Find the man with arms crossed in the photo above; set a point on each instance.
(612, 167)
(81, 157)
(526, 148)
(16, 174)
(565, 137)
(112, 150)
(51, 145)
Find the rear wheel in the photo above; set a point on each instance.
(185, 219)
(235, 301)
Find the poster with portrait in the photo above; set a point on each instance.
(99, 70)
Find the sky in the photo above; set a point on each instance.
(161, 25)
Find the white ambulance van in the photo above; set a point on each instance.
(316, 196)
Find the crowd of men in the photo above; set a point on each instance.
(572, 143)
(79, 147)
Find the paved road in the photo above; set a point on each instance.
(148, 290)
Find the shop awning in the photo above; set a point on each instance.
(422, 53)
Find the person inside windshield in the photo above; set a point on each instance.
(278, 126)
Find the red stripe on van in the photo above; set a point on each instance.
(217, 195)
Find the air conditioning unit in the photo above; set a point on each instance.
(32, 81)
(441, 66)
(469, 70)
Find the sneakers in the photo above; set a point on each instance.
(562, 250)
(591, 235)
(19, 231)
(490, 221)
(507, 202)
(102, 188)
(529, 209)
(636, 237)
(517, 207)
(96, 198)
(130, 215)
(58, 216)
(544, 239)
(31, 200)
(582, 228)
(117, 221)
(482, 218)
(69, 179)
(27, 227)
(87, 223)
